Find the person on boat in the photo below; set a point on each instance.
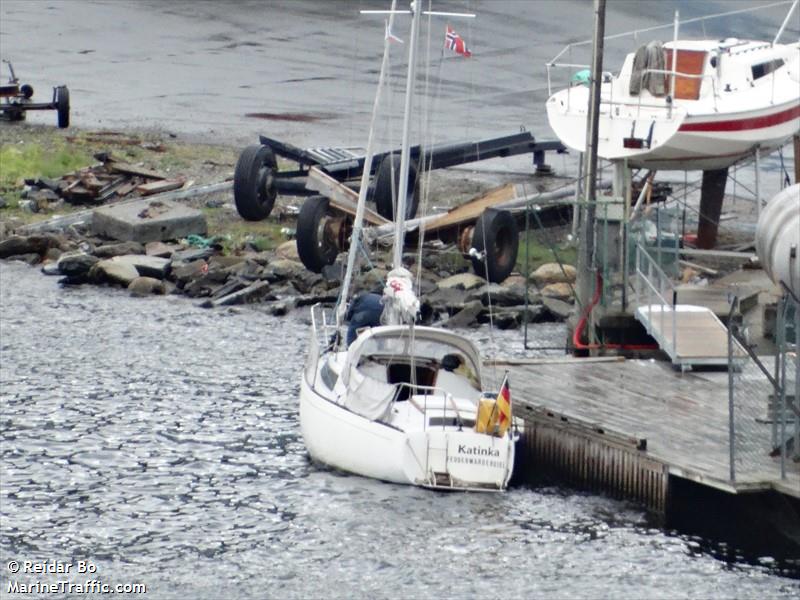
(365, 311)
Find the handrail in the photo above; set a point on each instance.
(654, 271)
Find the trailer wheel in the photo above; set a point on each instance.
(384, 183)
(253, 183)
(62, 106)
(316, 243)
(496, 237)
(26, 91)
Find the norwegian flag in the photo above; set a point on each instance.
(454, 42)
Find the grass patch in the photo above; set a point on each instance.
(23, 161)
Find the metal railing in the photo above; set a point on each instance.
(654, 287)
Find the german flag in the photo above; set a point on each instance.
(504, 408)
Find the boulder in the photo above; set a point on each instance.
(114, 271)
(17, 244)
(50, 268)
(30, 258)
(76, 264)
(225, 262)
(147, 266)
(447, 300)
(288, 250)
(559, 310)
(247, 269)
(466, 316)
(285, 269)
(553, 273)
(498, 295)
(145, 286)
(463, 281)
(562, 291)
(185, 272)
(191, 254)
(158, 249)
(119, 249)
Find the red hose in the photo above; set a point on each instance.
(576, 335)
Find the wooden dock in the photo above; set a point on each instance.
(626, 427)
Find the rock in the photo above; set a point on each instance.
(44, 197)
(158, 249)
(144, 286)
(288, 251)
(3, 202)
(247, 269)
(52, 254)
(513, 316)
(191, 254)
(498, 295)
(28, 206)
(31, 258)
(558, 309)
(466, 316)
(285, 269)
(183, 273)
(552, 273)
(38, 244)
(46, 184)
(225, 262)
(447, 300)
(206, 285)
(562, 291)
(147, 266)
(51, 268)
(257, 290)
(119, 249)
(114, 270)
(463, 281)
(334, 273)
(148, 221)
(76, 264)
(282, 307)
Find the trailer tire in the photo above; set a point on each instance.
(315, 248)
(254, 191)
(495, 234)
(26, 90)
(62, 106)
(381, 192)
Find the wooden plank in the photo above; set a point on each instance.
(159, 187)
(341, 196)
(470, 211)
(122, 167)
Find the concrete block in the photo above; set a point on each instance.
(148, 221)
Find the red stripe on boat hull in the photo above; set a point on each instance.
(744, 124)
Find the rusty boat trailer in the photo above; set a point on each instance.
(15, 100)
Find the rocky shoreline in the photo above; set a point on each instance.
(198, 268)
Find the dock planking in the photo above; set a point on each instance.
(682, 417)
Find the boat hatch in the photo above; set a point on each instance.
(688, 62)
(401, 372)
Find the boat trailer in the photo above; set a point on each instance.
(16, 100)
(257, 180)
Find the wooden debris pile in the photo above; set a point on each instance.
(108, 180)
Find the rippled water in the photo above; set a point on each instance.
(160, 442)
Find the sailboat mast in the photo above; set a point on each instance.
(400, 210)
(358, 222)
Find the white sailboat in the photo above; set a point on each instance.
(403, 403)
(691, 104)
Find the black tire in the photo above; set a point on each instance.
(495, 234)
(314, 244)
(26, 91)
(384, 184)
(253, 189)
(62, 106)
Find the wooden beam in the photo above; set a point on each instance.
(340, 196)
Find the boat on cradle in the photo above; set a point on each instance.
(402, 403)
(689, 104)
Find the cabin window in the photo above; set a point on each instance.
(765, 68)
(689, 62)
(400, 372)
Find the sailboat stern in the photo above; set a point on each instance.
(459, 460)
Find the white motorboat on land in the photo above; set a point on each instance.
(689, 104)
(402, 403)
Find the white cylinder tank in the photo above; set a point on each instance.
(778, 238)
